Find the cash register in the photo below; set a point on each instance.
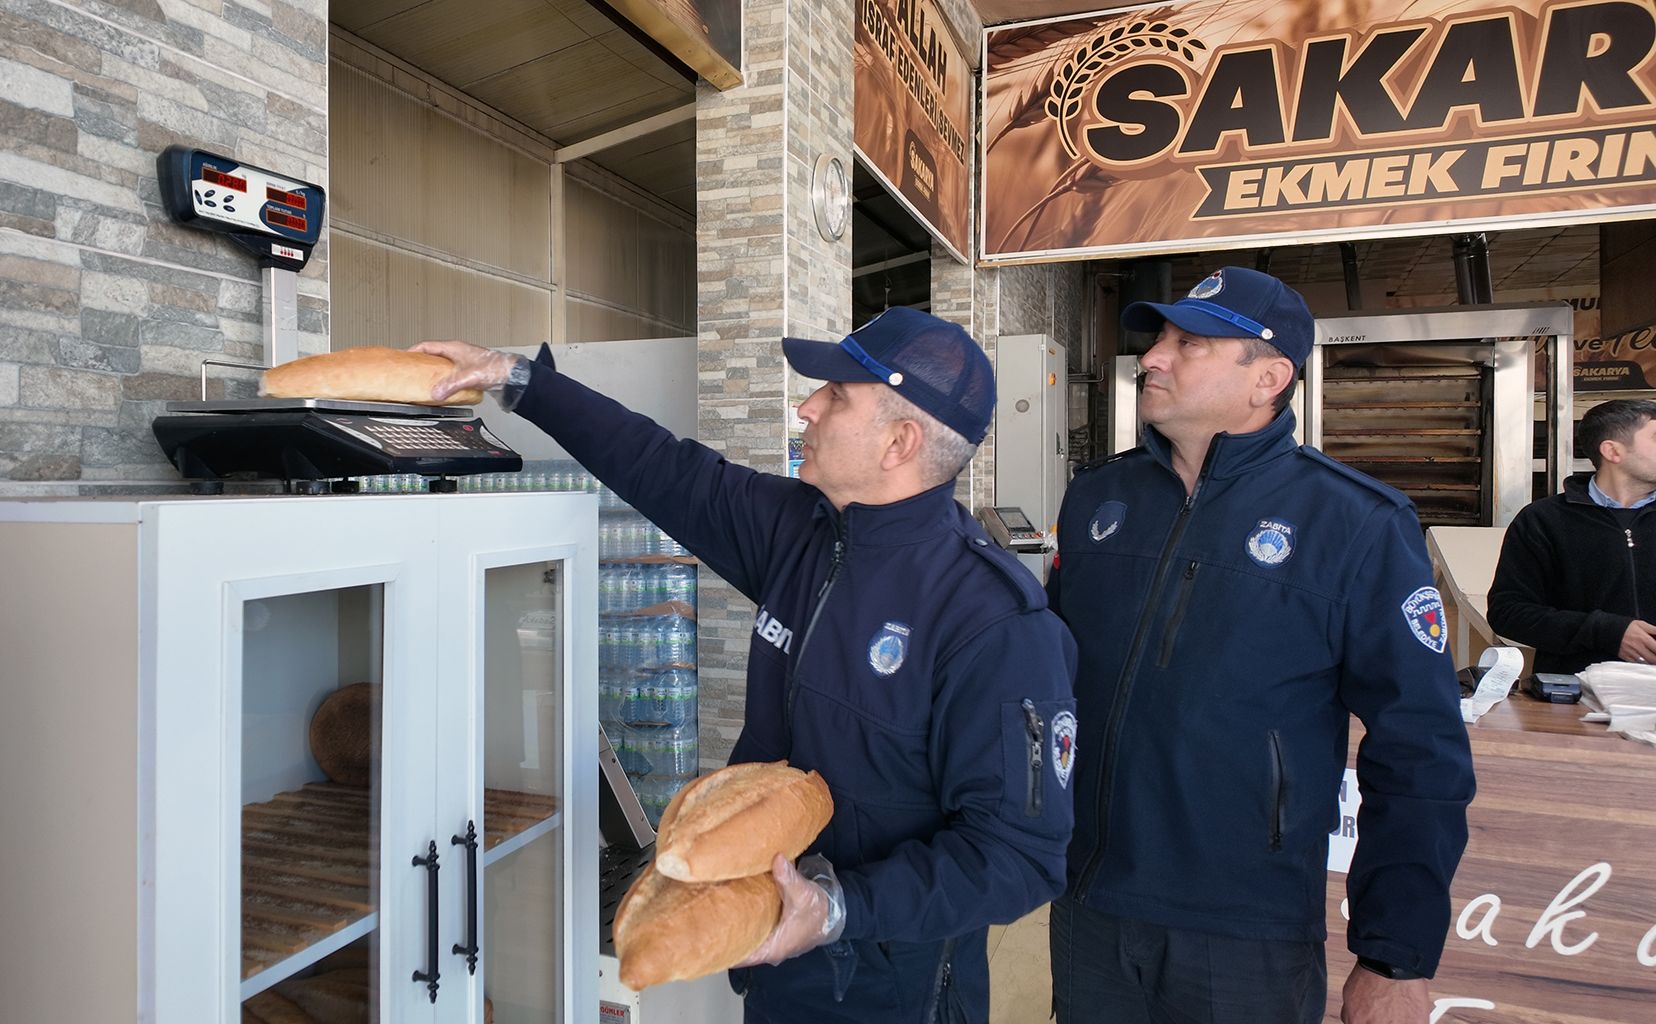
(1012, 530)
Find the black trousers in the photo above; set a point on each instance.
(1112, 970)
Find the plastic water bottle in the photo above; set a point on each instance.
(631, 595)
(679, 583)
(677, 645)
(677, 689)
(632, 645)
(676, 753)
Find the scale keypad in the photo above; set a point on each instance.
(424, 436)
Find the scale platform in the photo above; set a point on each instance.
(311, 439)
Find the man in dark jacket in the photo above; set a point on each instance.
(1577, 573)
(1235, 599)
(896, 651)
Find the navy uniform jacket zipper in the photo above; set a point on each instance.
(810, 627)
(1118, 707)
(1037, 733)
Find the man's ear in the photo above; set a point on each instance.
(1611, 450)
(904, 446)
(1272, 376)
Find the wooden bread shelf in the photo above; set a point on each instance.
(308, 864)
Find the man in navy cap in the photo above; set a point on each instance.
(1236, 598)
(895, 650)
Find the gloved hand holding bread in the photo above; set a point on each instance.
(710, 901)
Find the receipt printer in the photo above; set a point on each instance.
(1554, 687)
(1012, 530)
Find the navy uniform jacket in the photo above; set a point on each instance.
(1225, 640)
(908, 660)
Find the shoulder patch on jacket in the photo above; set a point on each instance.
(1391, 494)
(1019, 580)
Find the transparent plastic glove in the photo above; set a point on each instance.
(474, 366)
(813, 910)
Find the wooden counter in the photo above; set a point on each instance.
(1553, 910)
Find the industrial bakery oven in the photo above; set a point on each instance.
(1439, 403)
(301, 759)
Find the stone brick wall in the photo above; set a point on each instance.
(106, 307)
(763, 271)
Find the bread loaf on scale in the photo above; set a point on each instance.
(365, 375)
(709, 900)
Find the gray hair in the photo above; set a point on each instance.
(944, 452)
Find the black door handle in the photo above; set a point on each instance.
(429, 862)
(470, 949)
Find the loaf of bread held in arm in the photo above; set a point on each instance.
(733, 822)
(674, 931)
(365, 375)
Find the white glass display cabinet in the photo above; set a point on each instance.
(300, 758)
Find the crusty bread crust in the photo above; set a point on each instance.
(673, 931)
(365, 375)
(733, 822)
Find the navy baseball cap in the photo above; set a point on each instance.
(929, 361)
(1234, 302)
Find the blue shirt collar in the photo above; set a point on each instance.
(1600, 498)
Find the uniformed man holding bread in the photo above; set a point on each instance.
(895, 651)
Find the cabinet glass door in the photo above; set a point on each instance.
(293, 724)
(311, 798)
(517, 758)
(521, 857)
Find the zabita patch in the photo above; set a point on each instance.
(1063, 747)
(888, 648)
(1423, 610)
(1271, 543)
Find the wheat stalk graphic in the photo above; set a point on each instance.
(1064, 99)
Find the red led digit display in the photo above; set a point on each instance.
(293, 199)
(214, 176)
(285, 220)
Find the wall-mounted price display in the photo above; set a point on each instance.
(277, 218)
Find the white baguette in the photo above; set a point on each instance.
(733, 822)
(365, 375)
(673, 931)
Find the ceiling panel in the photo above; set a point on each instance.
(661, 163)
(462, 41)
(561, 67)
(355, 15)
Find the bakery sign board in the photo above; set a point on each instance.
(913, 113)
(1210, 125)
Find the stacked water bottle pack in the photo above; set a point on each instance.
(647, 654)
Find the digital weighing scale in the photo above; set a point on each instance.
(303, 442)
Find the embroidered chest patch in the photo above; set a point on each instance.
(1271, 543)
(1423, 610)
(1063, 747)
(1107, 521)
(888, 648)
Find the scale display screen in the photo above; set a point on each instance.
(277, 218)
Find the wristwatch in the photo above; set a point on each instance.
(1386, 970)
